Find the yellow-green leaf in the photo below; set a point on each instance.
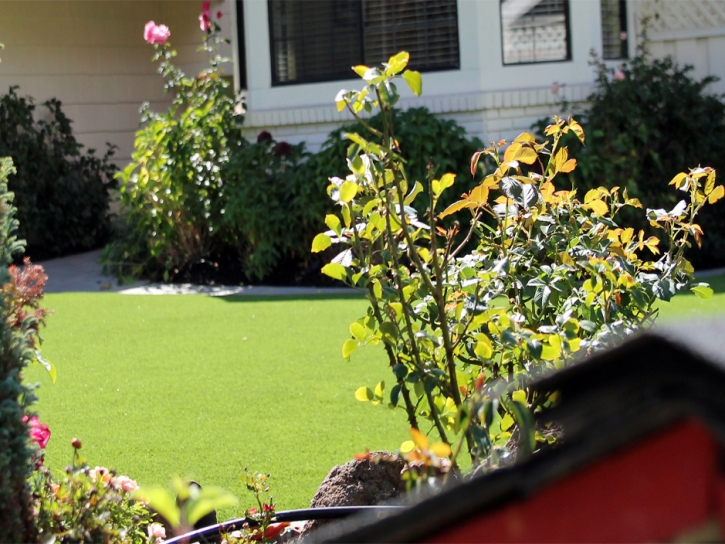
(441, 449)
(716, 194)
(407, 446)
(507, 422)
(453, 208)
(397, 62)
(550, 353)
(333, 222)
(414, 81)
(335, 271)
(349, 347)
(519, 396)
(678, 180)
(710, 183)
(702, 291)
(598, 206)
(162, 501)
(364, 394)
(320, 243)
(358, 331)
(526, 137)
(360, 69)
(483, 347)
(568, 166)
(479, 195)
(348, 190)
(420, 440)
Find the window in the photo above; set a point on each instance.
(535, 31)
(320, 40)
(614, 29)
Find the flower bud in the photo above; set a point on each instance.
(76, 443)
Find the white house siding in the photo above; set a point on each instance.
(691, 31)
(91, 55)
(490, 100)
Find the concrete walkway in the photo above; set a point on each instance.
(82, 274)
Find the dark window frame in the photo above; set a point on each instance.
(623, 27)
(567, 26)
(455, 65)
(241, 46)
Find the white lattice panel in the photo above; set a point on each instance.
(671, 16)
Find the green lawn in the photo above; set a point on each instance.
(193, 385)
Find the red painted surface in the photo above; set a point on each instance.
(651, 491)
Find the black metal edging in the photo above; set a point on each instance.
(304, 514)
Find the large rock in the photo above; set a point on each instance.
(360, 482)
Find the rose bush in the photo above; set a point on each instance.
(531, 277)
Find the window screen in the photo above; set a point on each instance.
(614, 29)
(320, 40)
(535, 31)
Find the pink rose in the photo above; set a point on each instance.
(103, 472)
(204, 22)
(619, 75)
(622, 36)
(156, 531)
(205, 6)
(38, 431)
(154, 33)
(219, 14)
(126, 483)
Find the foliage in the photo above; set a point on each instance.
(62, 193)
(273, 205)
(171, 191)
(197, 191)
(423, 140)
(644, 121)
(82, 504)
(187, 505)
(16, 352)
(552, 276)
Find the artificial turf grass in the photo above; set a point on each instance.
(156, 386)
(196, 386)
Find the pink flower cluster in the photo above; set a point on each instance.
(619, 75)
(156, 531)
(38, 431)
(205, 16)
(156, 34)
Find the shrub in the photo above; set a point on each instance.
(16, 352)
(171, 191)
(552, 276)
(643, 125)
(275, 193)
(62, 193)
(88, 505)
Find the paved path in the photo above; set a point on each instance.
(82, 274)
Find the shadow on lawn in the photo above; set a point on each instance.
(287, 298)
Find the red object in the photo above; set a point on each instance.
(77, 444)
(272, 531)
(654, 490)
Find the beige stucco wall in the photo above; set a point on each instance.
(90, 54)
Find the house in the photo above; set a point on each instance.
(641, 458)
(493, 65)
